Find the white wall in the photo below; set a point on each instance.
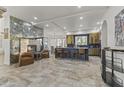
(4, 23)
(104, 35)
(109, 17)
(53, 33)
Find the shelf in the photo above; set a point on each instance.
(114, 81)
(112, 68)
(118, 68)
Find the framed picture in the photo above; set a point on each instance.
(70, 39)
(119, 29)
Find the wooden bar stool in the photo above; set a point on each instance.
(74, 53)
(59, 52)
(66, 53)
(81, 54)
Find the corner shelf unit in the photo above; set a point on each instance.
(112, 67)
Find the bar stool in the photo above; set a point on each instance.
(74, 53)
(81, 54)
(66, 53)
(59, 52)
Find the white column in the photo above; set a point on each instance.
(6, 42)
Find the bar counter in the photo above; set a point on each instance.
(72, 53)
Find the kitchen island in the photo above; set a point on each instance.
(72, 53)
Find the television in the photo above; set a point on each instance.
(81, 40)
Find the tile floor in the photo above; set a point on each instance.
(54, 73)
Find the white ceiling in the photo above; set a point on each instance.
(60, 16)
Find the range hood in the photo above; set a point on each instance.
(2, 10)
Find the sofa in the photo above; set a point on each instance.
(26, 59)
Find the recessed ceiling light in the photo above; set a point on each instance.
(35, 18)
(81, 18)
(79, 6)
(47, 25)
(64, 27)
(98, 23)
(32, 23)
(81, 25)
(27, 24)
(29, 28)
(15, 23)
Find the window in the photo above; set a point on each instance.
(80, 40)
